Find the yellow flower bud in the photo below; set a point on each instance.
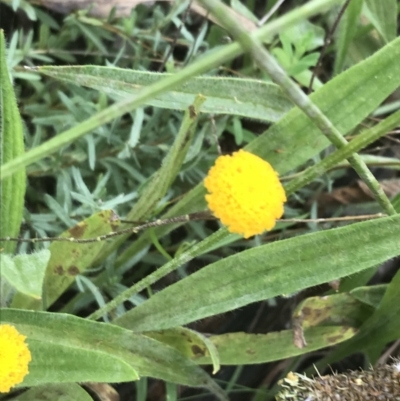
(14, 357)
(245, 193)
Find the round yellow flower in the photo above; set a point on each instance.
(245, 193)
(14, 357)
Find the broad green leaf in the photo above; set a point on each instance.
(237, 96)
(69, 259)
(58, 363)
(56, 392)
(25, 272)
(383, 15)
(268, 271)
(66, 348)
(346, 100)
(244, 348)
(12, 189)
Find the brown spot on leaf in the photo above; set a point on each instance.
(197, 350)
(339, 337)
(298, 334)
(73, 271)
(114, 221)
(334, 339)
(59, 270)
(192, 112)
(78, 230)
(250, 351)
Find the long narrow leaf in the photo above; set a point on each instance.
(244, 348)
(12, 189)
(249, 98)
(268, 271)
(383, 15)
(65, 346)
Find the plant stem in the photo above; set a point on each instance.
(267, 63)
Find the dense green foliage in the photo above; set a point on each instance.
(122, 117)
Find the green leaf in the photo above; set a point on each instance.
(332, 310)
(12, 189)
(25, 272)
(70, 258)
(361, 141)
(347, 30)
(383, 15)
(244, 349)
(382, 327)
(74, 364)
(267, 271)
(305, 36)
(77, 349)
(188, 342)
(371, 295)
(237, 96)
(346, 100)
(59, 392)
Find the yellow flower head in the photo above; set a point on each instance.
(14, 357)
(245, 193)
